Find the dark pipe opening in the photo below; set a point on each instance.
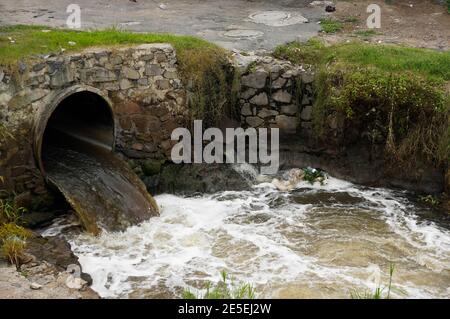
(83, 119)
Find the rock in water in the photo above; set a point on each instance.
(330, 8)
(102, 189)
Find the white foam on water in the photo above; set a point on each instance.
(273, 246)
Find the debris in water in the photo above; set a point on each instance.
(296, 175)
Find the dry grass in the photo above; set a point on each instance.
(12, 236)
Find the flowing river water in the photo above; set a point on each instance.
(315, 241)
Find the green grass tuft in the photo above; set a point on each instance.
(224, 289)
(351, 19)
(9, 211)
(12, 236)
(378, 292)
(331, 26)
(365, 33)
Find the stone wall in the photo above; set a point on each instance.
(142, 86)
(140, 83)
(275, 93)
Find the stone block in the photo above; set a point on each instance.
(290, 109)
(153, 70)
(254, 121)
(306, 113)
(282, 96)
(260, 99)
(245, 110)
(267, 113)
(256, 80)
(248, 93)
(130, 73)
(287, 124)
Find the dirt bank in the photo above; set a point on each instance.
(50, 272)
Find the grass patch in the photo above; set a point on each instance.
(32, 41)
(331, 26)
(202, 65)
(8, 230)
(351, 19)
(390, 58)
(224, 289)
(406, 113)
(365, 33)
(380, 94)
(12, 236)
(9, 211)
(13, 250)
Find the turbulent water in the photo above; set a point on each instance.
(312, 242)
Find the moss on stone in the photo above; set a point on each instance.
(152, 166)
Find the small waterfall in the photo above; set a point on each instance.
(247, 171)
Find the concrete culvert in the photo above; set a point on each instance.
(74, 147)
(80, 119)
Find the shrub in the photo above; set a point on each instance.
(404, 111)
(387, 95)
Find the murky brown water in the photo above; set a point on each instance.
(313, 242)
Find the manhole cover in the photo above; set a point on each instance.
(241, 33)
(277, 18)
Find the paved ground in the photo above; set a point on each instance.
(421, 23)
(40, 281)
(417, 23)
(224, 22)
